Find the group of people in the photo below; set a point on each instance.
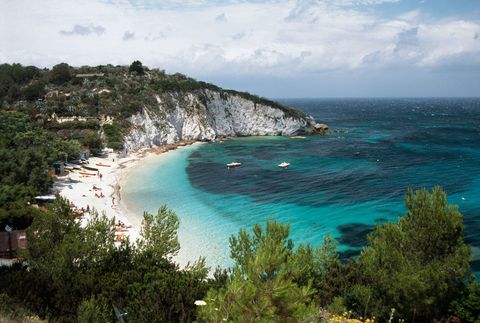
(101, 195)
(79, 211)
(121, 225)
(95, 188)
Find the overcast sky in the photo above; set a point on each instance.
(275, 48)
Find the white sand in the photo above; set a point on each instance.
(79, 188)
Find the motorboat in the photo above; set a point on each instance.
(234, 164)
(284, 165)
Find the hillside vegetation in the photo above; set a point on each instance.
(100, 95)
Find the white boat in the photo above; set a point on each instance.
(234, 164)
(284, 165)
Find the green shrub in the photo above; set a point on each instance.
(417, 264)
(94, 310)
(34, 91)
(114, 136)
(136, 67)
(60, 74)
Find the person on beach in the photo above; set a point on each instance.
(113, 200)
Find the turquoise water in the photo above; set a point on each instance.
(342, 184)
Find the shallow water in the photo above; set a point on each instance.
(342, 184)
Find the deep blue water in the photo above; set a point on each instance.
(341, 184)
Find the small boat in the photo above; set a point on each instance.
(284, 165)
(298, 137)
(103, 165)
(87, 173)
(234, 164)
(72, 166)
(91, 168)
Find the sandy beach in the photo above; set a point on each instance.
(88, 189)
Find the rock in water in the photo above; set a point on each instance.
(319, 128)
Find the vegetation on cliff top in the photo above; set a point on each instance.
(116, 91)
(106, 94)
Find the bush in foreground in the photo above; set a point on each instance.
(417, 266)
(413, 270)
(72, 272)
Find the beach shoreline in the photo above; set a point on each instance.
(88, 190)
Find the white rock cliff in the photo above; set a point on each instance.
(208, 115)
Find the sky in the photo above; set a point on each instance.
(274, 48)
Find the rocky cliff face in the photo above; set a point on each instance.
(207, 115)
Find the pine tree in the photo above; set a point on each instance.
(263, 287)
(417, 264)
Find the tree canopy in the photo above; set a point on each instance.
(137, 67)
(416, 265)
(268, 282)
(27, 153)
(415, 269)
(75, 272)
(60, 73)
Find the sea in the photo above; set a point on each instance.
(342, 184)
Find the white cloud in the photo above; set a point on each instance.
(275, 37)
(221, 18)
(128, 35)
(242, 35)
(83, 30)
(444, 40)
(353, 2)
(410, 15)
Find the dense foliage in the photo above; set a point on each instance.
(268, 282)
(114, 136)
(115, 91)
(27, 153)
(412, 270)
(12, 78)
(72, 272)
(417, 264)
(60, 74)
(136, 67)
